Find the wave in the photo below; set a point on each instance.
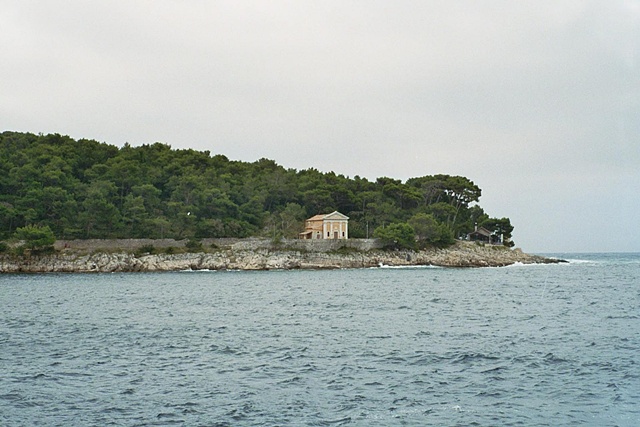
(598, 258)
(582, 261)
(521, 265)
(406, 267)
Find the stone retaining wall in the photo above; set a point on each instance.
(93, 245)
(250, 244)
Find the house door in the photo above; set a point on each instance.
(335, 234)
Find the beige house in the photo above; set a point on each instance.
(326, 226)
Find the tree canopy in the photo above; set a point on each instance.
(88, 189)
(36, 237)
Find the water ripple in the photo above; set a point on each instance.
(327, 348)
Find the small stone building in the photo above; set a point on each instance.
(483, 235)
(326, 226)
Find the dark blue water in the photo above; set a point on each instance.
(524, 345)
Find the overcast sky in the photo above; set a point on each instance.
(537, 102)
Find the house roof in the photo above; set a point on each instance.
(332, 215)
(336, 215)
(483, 231)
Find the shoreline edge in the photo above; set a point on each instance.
(262, 255)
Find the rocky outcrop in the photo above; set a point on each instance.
(462, 254)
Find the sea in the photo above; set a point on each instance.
(525, 345)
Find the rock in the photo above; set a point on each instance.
(462, 254)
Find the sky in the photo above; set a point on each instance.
(537, 102)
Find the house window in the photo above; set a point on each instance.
(328, 234)
(343, 234)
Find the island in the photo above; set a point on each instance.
(82, 205)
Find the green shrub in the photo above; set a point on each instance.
(47, 250)
(276, 240)
(18, 250)
(345, 250)
(36, 237)
(431, 232)
(193, 245)
(396, 236)
(146, 249)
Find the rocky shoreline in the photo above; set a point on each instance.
(462, 254)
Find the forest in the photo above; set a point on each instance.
(82, 189)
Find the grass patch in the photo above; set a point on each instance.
(146, 250)
(193, 245)
(346, 250)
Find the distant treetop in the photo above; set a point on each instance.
(87, 189)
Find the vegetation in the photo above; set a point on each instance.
(35, 238)
(82, 189)
(397, 236)
(430, 232)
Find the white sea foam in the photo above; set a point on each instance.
(406, 267)
(581, 261)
